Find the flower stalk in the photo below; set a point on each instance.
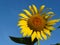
(38, 42)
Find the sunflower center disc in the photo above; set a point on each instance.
(36, 23)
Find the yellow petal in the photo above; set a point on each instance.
(44, 15)
(50, 27)
(23, 15)
(30, 32)
(50, 13)
(47, 16)
(33, 36)
(39, 35)
(23, 26)
(41, 8)
(25, 31)
(30, 7)
(52, 22)
(24, 19)
(24, 34)
(27, 12)
(43, 35)
(47, 31)
(22, 31)
(22, 22)
(35, 8)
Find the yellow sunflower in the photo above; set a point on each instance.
(36, 23)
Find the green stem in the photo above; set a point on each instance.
(38, 42)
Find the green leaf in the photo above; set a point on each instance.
(25, 40)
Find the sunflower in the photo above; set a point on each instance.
(36, 23)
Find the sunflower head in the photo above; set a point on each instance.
(36, 24)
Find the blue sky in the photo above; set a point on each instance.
(9, 10)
